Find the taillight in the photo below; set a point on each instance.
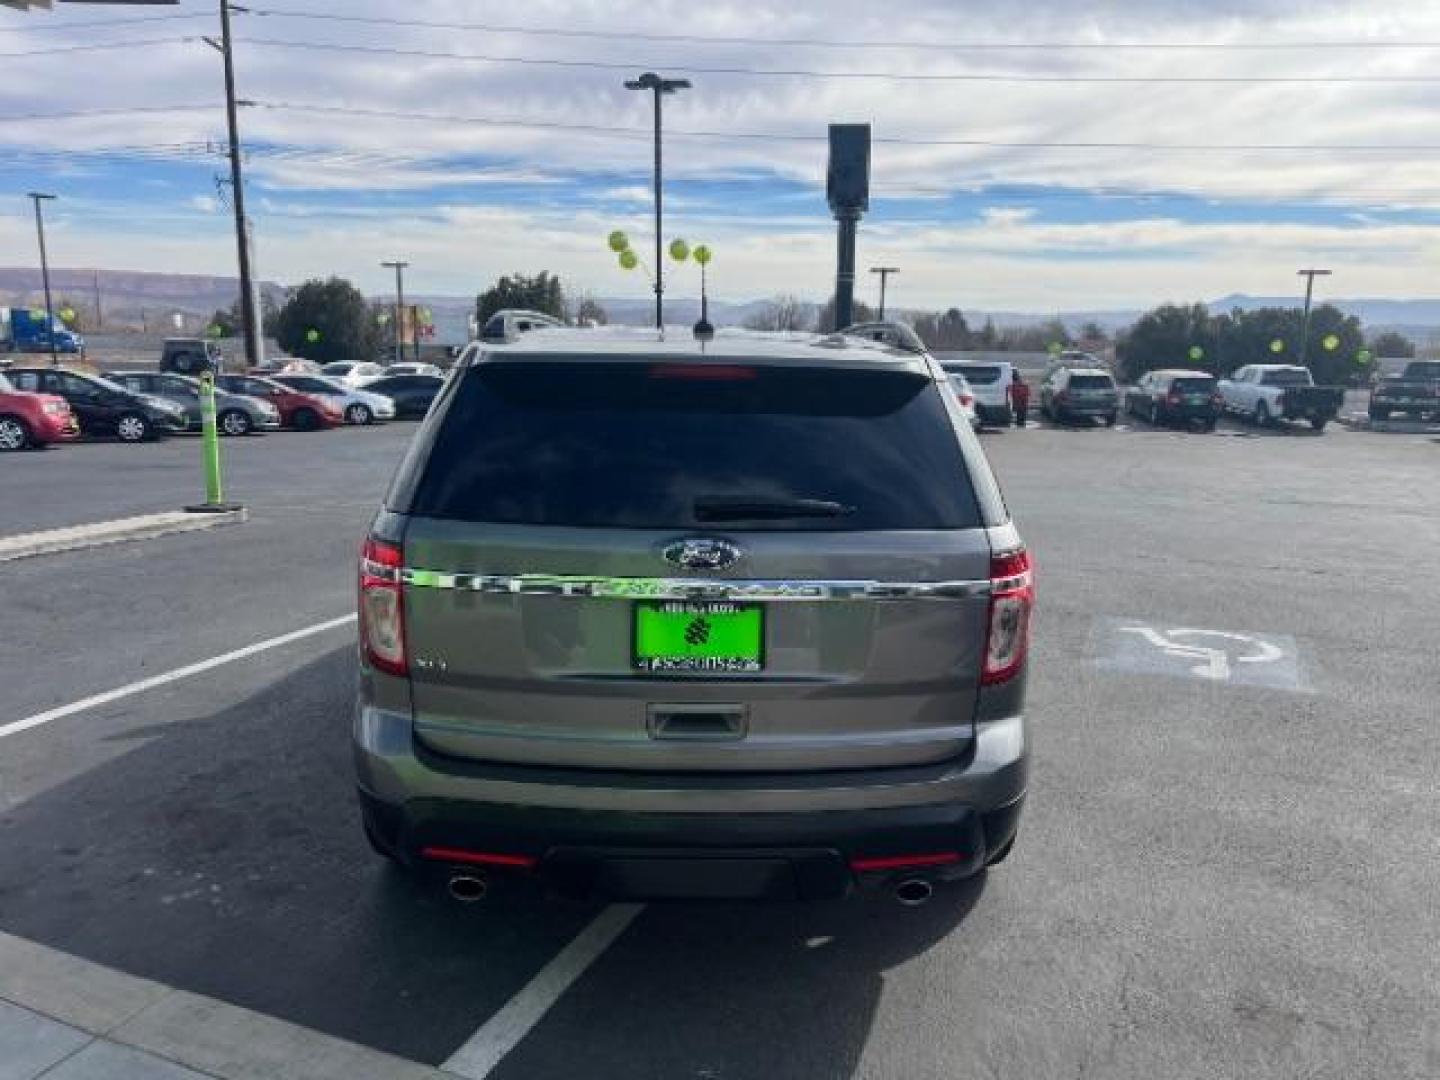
(967, 400)
(1172, 399)
(1012, 596)
(382, 607)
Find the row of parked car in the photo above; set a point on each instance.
(40, 405)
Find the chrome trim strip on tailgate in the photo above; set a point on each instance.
(641, 588)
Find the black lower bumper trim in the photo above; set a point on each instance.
(672, 856)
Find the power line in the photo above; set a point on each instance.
(898, 140)
(124, 110)
(931, 45)
(99, 46)
(38, 28)
(809, 73)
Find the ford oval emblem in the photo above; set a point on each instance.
(702, 553)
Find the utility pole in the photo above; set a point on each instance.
(39, 197)
(884, 272)
(661, 87)
(248, 314)
(1309, 276)
(99, 311)
(399, 268)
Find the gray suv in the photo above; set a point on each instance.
(653, 619)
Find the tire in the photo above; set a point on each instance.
(235, 422)
(1154, 415)
(1377, 413)
(133, 428)
(359, 413)
(1110, 419)
(305, 420)
(14, 434)
(1318, 423)
(1208, 426)
(1262, 415)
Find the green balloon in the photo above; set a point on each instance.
(1055, 348)
(1196, 352)
(618, 241)
(702, 254)
(1364, 356)
(312, 336)
(1277, 346)
(68, 314)
(1331, 342)
(679, 250)
(629, 260)
(212, 331)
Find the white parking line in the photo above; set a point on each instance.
(503, 1031)
(17, 726)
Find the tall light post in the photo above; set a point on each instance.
(39, 197)
(1309, 276)
(399, 268)
(660, 87)
(884, 272)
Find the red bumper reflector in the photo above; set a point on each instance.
(904, 862)
(478, 858)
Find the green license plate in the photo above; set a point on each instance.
(685, 635)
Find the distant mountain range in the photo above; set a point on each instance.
(146, 300)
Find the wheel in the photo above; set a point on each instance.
(1318, 423)
(1208, 425)
(1001, 855)
(235, 422)
(1110, 419)
(1377, 413)
(14, 433)
(305, 420)
(359, 413)
(1154, 415)
(132, 428)
(1262, 414)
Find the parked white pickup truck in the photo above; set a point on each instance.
(1268, 393)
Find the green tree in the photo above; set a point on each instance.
(1391, 343)
(825, 319)
(543, 292)
(326, 321)
(227, 320)
(1163, 338)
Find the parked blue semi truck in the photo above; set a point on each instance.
(26, 330)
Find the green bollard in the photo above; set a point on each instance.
(210, 447)
(211, 440)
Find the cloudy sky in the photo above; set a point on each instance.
(1057, 154)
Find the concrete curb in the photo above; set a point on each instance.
(119, 531)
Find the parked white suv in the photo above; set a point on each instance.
(990, 383)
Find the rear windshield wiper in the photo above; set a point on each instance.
(733, 509)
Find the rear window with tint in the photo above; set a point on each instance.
(1193, 386)
(1422, 370)
(978, 374)
(1091, 382)
(1285, 378)
(639, 446)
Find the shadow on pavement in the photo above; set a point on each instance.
(738, 991)
(225, 857)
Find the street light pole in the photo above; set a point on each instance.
(39, 197)
(399, 268)
(884, 272)
(1309, 276)
(660, 87)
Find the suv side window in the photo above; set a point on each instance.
(26, 380)
(77, 387)
(178, 388)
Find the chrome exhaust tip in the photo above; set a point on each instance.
(467, 888)
(912, 892)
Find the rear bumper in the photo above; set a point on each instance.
(671, 836)
(995, 414)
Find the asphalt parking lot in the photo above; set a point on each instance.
(1228, 865)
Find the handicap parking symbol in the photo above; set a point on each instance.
(1222, 656)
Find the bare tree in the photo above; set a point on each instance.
(780, 313)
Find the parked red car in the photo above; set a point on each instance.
(33, 419)
(303, 412)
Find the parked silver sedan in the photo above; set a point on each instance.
(235, 414)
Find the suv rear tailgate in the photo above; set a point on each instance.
(507, 667)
